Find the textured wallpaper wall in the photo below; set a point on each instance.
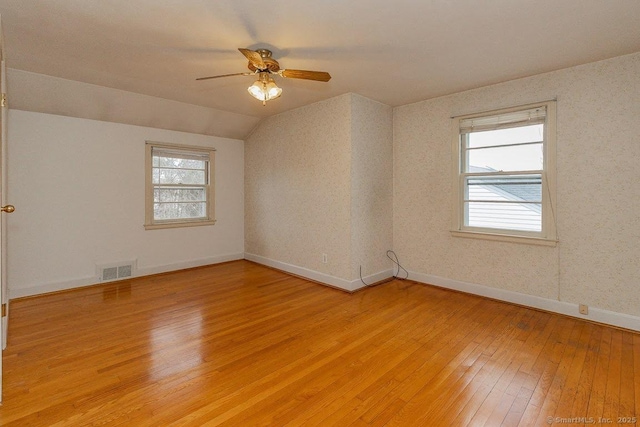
(318, 180)
(297, 187)
(596, 261)
(371, 185)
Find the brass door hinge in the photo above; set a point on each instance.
(3, 100)
(4, 310)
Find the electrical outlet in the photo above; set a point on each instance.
(324, 258)
(584, 309)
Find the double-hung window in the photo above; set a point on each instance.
(179, 186)
(504, 174)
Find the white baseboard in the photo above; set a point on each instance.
(372, 278)
(51, 287)
(145, 271)
(569, 309)
(316, 276)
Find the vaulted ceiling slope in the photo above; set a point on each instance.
(396, 52)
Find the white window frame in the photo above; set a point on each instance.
(548, 235)
(150, 222)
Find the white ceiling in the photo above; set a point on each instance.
(396, 52)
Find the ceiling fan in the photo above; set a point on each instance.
(262, 64)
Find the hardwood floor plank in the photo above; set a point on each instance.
(614, 374)
(420, 407)
(548, 361)
(516, 411)
(570, 389)
(564, 352)
(636, 373)
(628, 398)
(241, 344)
(585, 382)
(598, 387)
(366, 362)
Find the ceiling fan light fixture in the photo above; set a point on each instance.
(264, 89)
(261, 63)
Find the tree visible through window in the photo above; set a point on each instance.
(504, 171)
(179, 188)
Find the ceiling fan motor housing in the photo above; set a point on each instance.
(271, 64)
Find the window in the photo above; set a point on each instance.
(179, 186)
(504, 171)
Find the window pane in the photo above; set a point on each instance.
(179, 176)
(510, 158)
(505, 188)
(517, 135)
(197, 194)
(164, 211)
(505, 216)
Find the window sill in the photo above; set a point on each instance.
(158, 226)
(527, 240)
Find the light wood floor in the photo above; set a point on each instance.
(238, 344)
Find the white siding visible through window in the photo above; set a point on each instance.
(501, 215)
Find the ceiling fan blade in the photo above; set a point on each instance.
(320, 76)
(224, 75)
(253, 57)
